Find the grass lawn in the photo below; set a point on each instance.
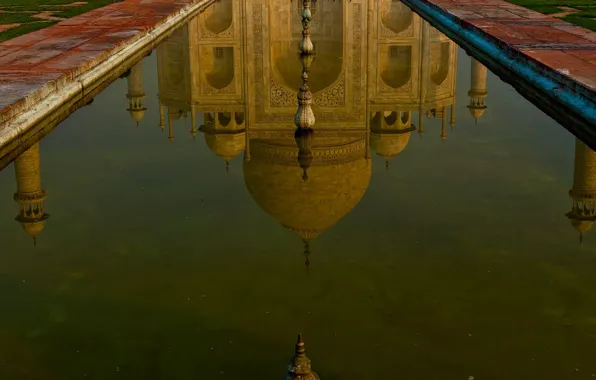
(23, 12)
(585, 17)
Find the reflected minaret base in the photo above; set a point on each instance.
(583, 193)
(477, 91)
(136, 94)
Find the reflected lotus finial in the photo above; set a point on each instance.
(306, 45)
(305, 118)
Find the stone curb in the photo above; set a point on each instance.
(23, 115)
(515, 66)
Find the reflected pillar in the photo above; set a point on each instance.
(136, 94)
(583, 193)
(30, 195)
(477, 91)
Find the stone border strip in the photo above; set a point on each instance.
(45, 70)
(532, 51)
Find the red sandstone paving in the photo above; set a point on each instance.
(28, 62)
(550, 42)
(32, 65)
(16, 85)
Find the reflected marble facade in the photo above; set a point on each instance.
(376, 63)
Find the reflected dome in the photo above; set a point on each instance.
(338, 178)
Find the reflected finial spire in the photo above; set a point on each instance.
(162, 122)
(303, 137)
(452, 120)
(227, 166)
(306, 45)
(300, 348)
(299, 366)
(306, 253)
(304, 119)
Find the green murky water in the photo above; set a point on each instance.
(436, 251)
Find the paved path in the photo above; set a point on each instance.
(41, 64)
(555, 57)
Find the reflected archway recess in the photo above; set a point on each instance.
(397, 66)
(397, 17)
(325, 69)
(219, 16)
(219, 64)
(328, 39)
(440, 54)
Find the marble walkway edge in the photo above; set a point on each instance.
(554, 57)
(43, 70)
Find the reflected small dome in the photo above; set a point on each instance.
(226, 145)
(582, 226)
(477, 112)
(137, 115)
(34, 228)
(389, 145)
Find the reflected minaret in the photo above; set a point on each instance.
(136, 95)
(583, 193)
(30, 194)
(477, 91)
(299, 367)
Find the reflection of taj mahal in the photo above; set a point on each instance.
(379, 71)
(237, 64)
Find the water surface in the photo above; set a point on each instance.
(171, 220)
